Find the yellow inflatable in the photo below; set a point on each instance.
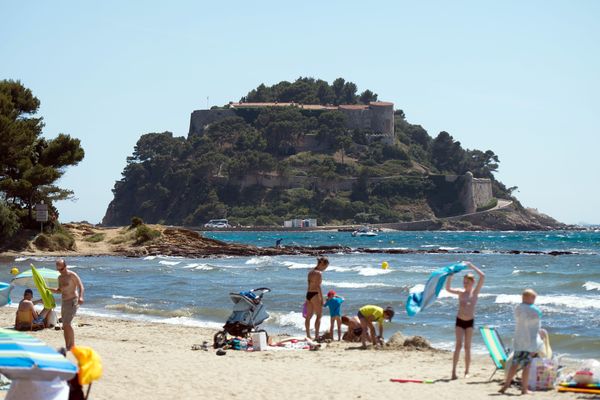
(14, 271)
(384, 265)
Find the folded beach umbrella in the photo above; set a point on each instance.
(26, 278)
(40, 284)
(421, 300)
(4, 294)
(23, 356)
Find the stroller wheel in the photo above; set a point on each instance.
(220, 339)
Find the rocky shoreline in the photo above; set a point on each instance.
(182, 242)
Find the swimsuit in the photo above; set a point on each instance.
(357, 331)
(310, 295)
(68, 310)
(523, 358)
(464, 324)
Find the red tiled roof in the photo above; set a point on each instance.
(353, 106)
(381, 103)
(313, 106)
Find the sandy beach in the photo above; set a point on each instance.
(155, 361)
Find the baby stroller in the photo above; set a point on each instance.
(248, 313)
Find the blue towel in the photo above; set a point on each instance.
(420, 301)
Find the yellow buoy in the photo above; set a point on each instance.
(384, 265)
(14, 270)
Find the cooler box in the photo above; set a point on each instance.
(259, 341)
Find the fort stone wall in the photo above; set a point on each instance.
(201, 118)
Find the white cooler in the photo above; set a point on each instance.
(259, 341)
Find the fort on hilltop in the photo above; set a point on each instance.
(377, 116)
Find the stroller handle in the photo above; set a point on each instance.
(262, 291)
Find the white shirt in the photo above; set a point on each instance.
(527, 328)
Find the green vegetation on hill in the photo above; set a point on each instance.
(30, 165)
(217, 174)
(310, 91)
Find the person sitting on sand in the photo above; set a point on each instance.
(314, 296)
(27, 319)
(354, 332)
(465, 318)
(334, 302)
(369, 314)
(527, 340)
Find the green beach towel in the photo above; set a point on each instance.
(40, 284)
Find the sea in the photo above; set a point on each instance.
(195, 292)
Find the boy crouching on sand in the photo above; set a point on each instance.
(334, 302)
(527, 339)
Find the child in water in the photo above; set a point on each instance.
(334, 302)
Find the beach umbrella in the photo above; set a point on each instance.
(4, 294)
(23, 356)
(26, 278)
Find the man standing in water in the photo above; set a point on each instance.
(71, 290)
(314, 296)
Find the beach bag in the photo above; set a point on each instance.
(543, 373)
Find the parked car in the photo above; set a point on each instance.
(217, 223)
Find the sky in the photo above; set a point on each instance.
(518, 77)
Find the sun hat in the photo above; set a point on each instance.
(331, 293)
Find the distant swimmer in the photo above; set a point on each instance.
(278, 243)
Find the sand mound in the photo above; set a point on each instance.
(417, 342)
(396, 341)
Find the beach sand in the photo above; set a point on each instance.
(155, 361)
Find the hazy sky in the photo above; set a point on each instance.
(518, 77)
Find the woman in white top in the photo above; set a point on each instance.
(465, 318)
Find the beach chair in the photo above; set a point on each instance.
(495, 346)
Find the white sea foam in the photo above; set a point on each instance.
(198, 267)
(572, 302)
(19, 259)
(116, 296)
(448, 248)
(149, 258)
(355, 285)
(169, 263)
(370, 271)
(417, 288)
(591, 285)
(294, 320)
(262, 260)
(295, 265)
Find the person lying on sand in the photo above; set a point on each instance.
(369, 314)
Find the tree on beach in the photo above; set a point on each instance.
(30, 164)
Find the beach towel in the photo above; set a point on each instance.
(421, 300)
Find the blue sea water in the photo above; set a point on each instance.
(196, 291)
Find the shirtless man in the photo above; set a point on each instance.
(27, 305)
(467, 299)
(314, 296)
(71, 290)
